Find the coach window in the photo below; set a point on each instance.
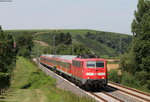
(61, 64)
(52, 61)
(64, 64)
(76, 63)
(55, 62)
(49, 60)
(79, 64)
(58, 63)
(67, 65)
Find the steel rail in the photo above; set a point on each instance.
(146, 94)
(145, 99)
(98, 97)
(106, 95)
(113, 96)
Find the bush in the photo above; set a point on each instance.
(38, 79)
(113, 75)
(129, 80)
(24, 52)
(142, 77)
(140, 80)
(127, 63)
(148, 84)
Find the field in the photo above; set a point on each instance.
(30, 84)
(112, 64)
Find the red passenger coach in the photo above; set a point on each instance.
(87, 71)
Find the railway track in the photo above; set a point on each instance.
(105, 97)
(144, 97)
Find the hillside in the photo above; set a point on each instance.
(102, 43)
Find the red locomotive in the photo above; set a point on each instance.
(86, 71)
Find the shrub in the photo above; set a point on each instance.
(113, 75)
(129, 80)
(38, 79)
(142, 77)
(148, 84)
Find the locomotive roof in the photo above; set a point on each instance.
(64, 57)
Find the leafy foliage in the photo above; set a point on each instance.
(74, 49)
(130, 80)
(113, 76)
(7, 59)
(137, 59)
(63, 38)
(24, 44)
(104, 43)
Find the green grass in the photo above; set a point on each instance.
(30, 84)
(112, 62)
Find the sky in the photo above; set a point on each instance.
(103, 15)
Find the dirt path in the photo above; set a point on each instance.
(41, 43)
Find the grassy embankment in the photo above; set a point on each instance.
(30, 84)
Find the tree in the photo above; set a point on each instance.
(74, 49)
(138, 55)
(24, 44)
(7, 59)
(63, 38)
(141, 31)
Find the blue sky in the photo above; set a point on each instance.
(104, 15)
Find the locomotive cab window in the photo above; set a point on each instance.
(95, 64)
(100, 64)
(90, 64)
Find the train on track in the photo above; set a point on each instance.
(87, 71)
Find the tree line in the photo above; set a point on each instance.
(105, 43)
(62, 44)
